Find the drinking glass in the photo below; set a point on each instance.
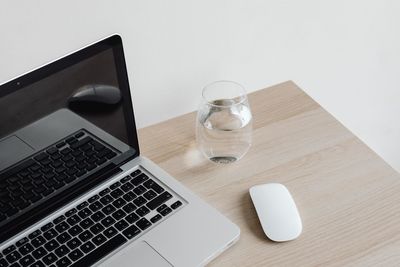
(224, 122)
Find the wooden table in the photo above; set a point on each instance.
(348, 197)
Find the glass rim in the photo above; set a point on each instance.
(242, 96)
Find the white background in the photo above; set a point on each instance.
(345, 54)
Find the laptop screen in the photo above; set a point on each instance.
(64, 128)
(91, 84)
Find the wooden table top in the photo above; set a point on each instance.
(347, 196)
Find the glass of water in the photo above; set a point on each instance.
(224, 122)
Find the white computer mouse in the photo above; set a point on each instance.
(277, 211)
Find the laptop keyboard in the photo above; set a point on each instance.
(50, 170)
(95, 227)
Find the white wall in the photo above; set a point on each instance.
(343, 53)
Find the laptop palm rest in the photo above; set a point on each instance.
(13, 149)
(140, 254)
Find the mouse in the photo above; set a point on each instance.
(97, 93)
(277, 211)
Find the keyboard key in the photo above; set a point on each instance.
(86, 223)
(143, 223)
(110, 232)
(70, 212)
(176, 204)
(149, 195)
(150, 184)
(156, 218)
(27, 260)
(159, 200)
(119, 202)
(82, 205)
(38, 253)
(51, 245)
(139, 190)
(74, 219)
(61, 251)
(61, 144)
(131, 218)
(38, 241)
(99, 239)
(64, 237)
(106, 199)
(81, 142)
(13, 256)
(128, 208)
(95, 206)
(25, 249)
(78, 135)
(142, 211)
(119, 214)
(52, 150)
(108, 221)
(84, 213)
(34, 234)
(50, 234)
(22, 241)
(121, 225)
(71, 140)
(93, 198)
(65, 151)
(49, 258)
(139, 179)
(87, 247)
(101, 251)
(136, 173)
(116, 193)
(74, 243)
(115, 185)
(56, 156)
(97, 228)
(104, 192)
(111, 155)
(8, 249)
(41, 156)
(131, 232)
(71, 171)
(90, 167)
(61, 227)
(127, 187)
(3, 263)
(75, 230)
(97, 216)
(85, 236)
(129, 196)
(75, 255)
(108, 209)
(125, 179)
(163, 206)
(139, 201)
(165, 211)
(63, 262)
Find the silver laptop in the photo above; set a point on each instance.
(74, 189)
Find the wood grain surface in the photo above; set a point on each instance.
(347, 196)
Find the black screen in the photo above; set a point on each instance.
(61, 85)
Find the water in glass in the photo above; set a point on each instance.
(224, 129)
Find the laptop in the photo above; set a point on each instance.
(74, 188)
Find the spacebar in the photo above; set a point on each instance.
(101, 251)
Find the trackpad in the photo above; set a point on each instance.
(140, 254)
(12, 150)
